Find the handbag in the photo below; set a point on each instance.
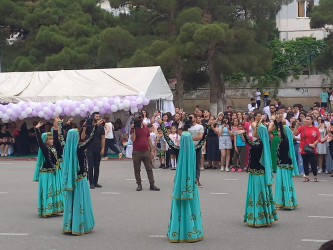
(307, 148)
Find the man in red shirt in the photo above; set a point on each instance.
(143, 151)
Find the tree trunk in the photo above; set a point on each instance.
(179, 91)
(222, 101)
(214, 82)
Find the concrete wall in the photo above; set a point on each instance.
(305, 90)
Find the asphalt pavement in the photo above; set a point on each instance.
(127, 219)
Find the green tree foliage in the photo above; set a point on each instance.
(58, 34)
(321, 16)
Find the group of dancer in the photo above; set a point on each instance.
(63, 187)
(61, 173)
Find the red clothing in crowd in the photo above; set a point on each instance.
(141, 139)
(308, 136)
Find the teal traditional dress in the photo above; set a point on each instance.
(50, 195)
(285, 194)
(78, 217)
(259, 207)
(185, 223)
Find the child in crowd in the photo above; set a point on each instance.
(176, 139)
(167, 151)
(153, 141)
(239, 154)
(160, 147)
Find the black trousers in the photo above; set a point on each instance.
(110, 143)
(94, 160)
(197, 163)
(258, 103)
(309, 159)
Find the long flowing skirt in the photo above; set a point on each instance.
(185, 223)
(59, 183)
(285, 195)
(50, 198)
(259, 208)
(78, 217)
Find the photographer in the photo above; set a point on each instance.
(143, 151)
(95, 149)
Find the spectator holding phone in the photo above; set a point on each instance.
(5, 140)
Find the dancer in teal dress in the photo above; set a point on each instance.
(185, 217)
(50, 195)
(78, 217)
(259, 208)
(285, 195)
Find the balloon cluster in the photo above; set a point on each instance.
(103, 105)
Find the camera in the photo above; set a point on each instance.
(187, 122)
(89, 119)
(137, 120)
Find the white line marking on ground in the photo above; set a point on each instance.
(109, 193)
(157, 236)
(231, 179)
(325, 194)
(312, 240)
(322, 217)
(3, 192)
(134, 179)
(12, 234)
(219, 193)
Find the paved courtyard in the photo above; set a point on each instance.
(126, 219)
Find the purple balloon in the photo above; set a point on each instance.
(102, 111)
(38, 107)
(44, 104)
(145, 101)
(106, 106)
(72, 106)
(95, 101)
(63, 105)
(24, 106)
(34, 113)
(82, 114)
(77, 104)
(53, 106)
(133, 104)
(10, 105)
(90, 106)
(67, 111)
(140, 106)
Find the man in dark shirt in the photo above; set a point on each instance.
(95, 150)
(143, 151)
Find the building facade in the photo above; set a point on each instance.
(293, 21)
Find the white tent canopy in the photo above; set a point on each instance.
(50, 86)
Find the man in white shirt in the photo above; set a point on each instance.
(258, 97)
(252, 105)
(109, 140)
(266, 109)
(197, 132)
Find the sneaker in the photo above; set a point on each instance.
(200, 185)
(92, 186)
(233, 170)
(173, 168)
(240, 170)
(222, 168)
(98, 185)
(320, 171)
(139, 188)
(105, 158)
(326, 172)
(227, 169)
(154, 188)
(202, 169)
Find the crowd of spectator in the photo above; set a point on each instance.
(223, 149)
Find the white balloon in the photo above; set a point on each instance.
(100, 104)
(45, 109)
(142, 94)
(77, 111)
(139, 100)
(117, 101)
(114, 108)
(28, 110)
(82, 106)
(33, 105)
(121, 106)
(5, 120)
(58, 110)
(40, 114)
(95, 109)
(126, 108)
(127, 103)
(9, 111)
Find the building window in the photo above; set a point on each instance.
(304, 8)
